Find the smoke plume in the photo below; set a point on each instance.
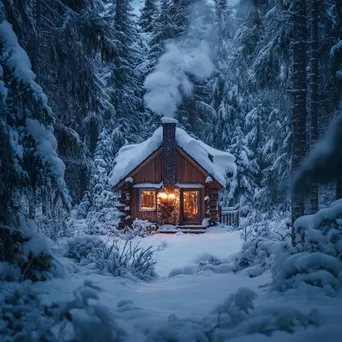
(188, 55)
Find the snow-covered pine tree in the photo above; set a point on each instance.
(66, 42)
(171, 22)
(148, 15)
(125, 82)
(249, 31)
(268, 75)
(31, 173)
(275, 161)
(221, 84)
(102, 216)
(161, 31)
(243, 188)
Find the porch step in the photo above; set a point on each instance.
(196, 229)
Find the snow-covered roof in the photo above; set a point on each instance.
(217, 163)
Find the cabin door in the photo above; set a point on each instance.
(190, 207)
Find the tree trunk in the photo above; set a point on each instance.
(38, 42)
(314, 74)
(299, 100)
(339, 186)
(338, 4)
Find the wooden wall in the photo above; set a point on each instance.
(151, 172)
(186, 172)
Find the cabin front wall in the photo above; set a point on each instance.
(188, 176)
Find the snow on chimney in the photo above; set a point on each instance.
(169, 151)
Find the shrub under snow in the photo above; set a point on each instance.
(120, 258)
(318, 261)
(263, 242)
(126, 260)
(140, 228)
(307, 268)
(205, 262)
(83, 248)
(27, 251)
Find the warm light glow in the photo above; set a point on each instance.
(147, 200)
(165, 197)
(191, 204)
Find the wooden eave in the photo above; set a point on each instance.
(155, 154)
(215, 184)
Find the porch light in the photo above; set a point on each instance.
(167, 198)
(163, 195)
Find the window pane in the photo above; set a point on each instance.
(190, 204)
(148, 200)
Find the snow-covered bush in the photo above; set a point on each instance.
(83, 248)
(184, 270)
(9, 272)
(264, 240)
(126, 259)
(27, 251)
(120, 258)
(103, 221)
(24, 318)
(209, 262)
(205, 262)
(140, 228)
(318, 259)
(235, 317)
(308, 268)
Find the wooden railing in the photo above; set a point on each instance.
(229, 216)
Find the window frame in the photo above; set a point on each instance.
(155, 199)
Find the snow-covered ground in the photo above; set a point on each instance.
(193, 296)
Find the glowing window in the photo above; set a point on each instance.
(147, 200)
(191, 205)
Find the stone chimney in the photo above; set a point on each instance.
(169, 151)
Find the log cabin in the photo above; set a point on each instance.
(171, 179)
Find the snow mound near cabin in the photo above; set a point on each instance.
(217, 163)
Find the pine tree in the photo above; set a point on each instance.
(125, 82)
(275, 161)
(172, 22)
(243, 188)
(31, 173)
(148, 15)
(102, 214)
(66, 42)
